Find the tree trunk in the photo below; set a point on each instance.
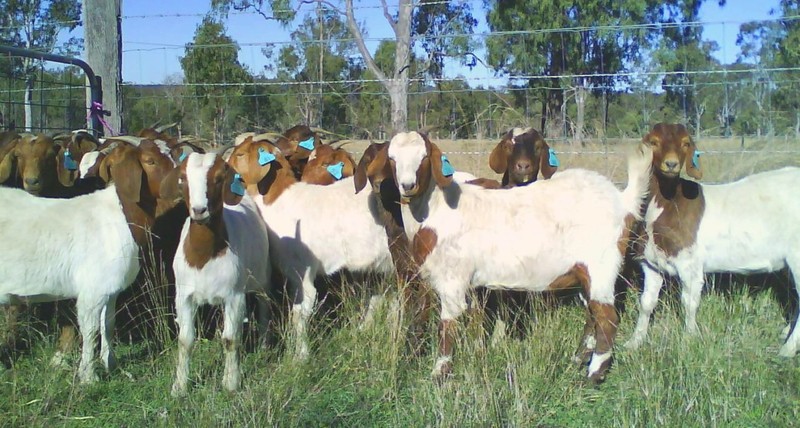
(29, 81)
(580, 103)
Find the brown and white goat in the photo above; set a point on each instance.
(34, 230)
(314, 230)
(223, 254)
(327, 165)
(572, 229)
(747, 226)
(520, 155)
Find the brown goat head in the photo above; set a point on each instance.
(137, 172)
(373, 166)
(520, 155)
(673, 150)
(73, 146)
(327, 165)
(262, 167)
(36, 157)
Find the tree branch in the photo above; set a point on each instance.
(362, 47)
(388, 16)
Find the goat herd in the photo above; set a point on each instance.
(281, 210)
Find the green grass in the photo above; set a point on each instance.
(730, 375)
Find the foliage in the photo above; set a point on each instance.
(212, 68)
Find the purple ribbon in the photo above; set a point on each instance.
(97, 110)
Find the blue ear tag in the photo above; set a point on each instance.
(182, 157)
(264, 157)
(236, 185)
(336, 170)
(552, 158)
(447, 169)
(307, 144)
(69, 163)
(696, 159)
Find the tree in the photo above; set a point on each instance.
(36, 25)
(773, 44)
(395, 81)
(212, 67)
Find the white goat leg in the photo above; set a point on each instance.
(231, 333)
(107, 333)
(653, 281)
(186, 310)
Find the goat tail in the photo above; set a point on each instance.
(639, 168)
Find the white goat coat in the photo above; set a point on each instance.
(58, 249)
(748, 226)
(523, 237)
(242, 267)
(323, 229)
(79, 248)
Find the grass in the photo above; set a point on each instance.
(730, 375)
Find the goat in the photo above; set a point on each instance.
(520, 155)
(47, 242)
(223, 253)
(73, 147)
(296, 144)
(313, 229)
(328, 164)
(8, 172)
(571, 229)
(747, 226)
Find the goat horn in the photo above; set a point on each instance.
(266, 136)
(128, 139)
(165, 127)
(339, 143)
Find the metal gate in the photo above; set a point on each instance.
(65, 93)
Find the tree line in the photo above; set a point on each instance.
(576, 71)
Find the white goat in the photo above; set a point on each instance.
(51, 252)
(313, 229)
(550, 234)
(223, 253)
(747, 226)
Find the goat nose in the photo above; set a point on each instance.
(523, 166)
(199, 211)
(32, 181)
(671, 164)
(407, 187)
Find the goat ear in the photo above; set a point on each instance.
(233, 187)
(127, 175)
(547, 165)
(7, 164)
(436, 168)
(104, 169)
(372, 166)
(693, 165)
(360, 176)
(498, 159)
(169, 188)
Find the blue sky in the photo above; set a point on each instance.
(154, 33)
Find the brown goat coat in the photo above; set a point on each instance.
(681, 200)
(316, 171)
(507, 155)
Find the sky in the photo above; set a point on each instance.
(154, 33)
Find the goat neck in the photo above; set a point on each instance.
(205, 241)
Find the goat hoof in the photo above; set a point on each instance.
(633, 344)
(178, 391)
(442, 370)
